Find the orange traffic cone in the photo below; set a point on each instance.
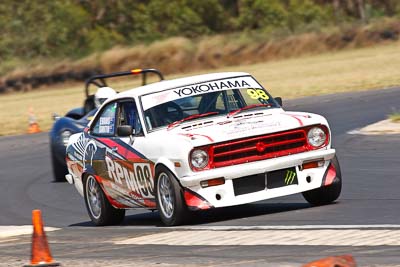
(40, 253)
(33, 125)
(336, 261)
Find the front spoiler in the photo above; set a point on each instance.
(223, 195)
(69, 178)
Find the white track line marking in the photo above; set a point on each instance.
(320, 237)
(356, 131)
(10, 231)
(8, 240)
(291, 227)
(265, 227)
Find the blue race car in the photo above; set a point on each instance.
(77, 119)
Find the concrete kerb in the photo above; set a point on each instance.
(381, 127)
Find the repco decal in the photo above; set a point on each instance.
(138, 179)
(206, 87)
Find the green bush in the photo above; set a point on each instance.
(305, 12)
(256, 14)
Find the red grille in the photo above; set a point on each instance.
(260, 147)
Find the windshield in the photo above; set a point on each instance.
(173, 107)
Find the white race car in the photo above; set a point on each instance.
(196, 143)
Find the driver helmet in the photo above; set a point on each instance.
(102, 94)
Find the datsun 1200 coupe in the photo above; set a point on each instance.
(197, 143)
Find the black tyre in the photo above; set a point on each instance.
(169, 198)
(99, 209)
(327, 194)
(59, 168)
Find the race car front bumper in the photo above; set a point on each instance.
(244, 182)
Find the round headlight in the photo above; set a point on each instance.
(65, 137)
(316, 137)
(199, 158)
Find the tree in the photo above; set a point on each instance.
(361, 11)
(257, 14)
(304, 12)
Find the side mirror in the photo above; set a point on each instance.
(56, 117)
(279, 100)
(125, 130)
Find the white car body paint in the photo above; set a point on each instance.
(168, 146)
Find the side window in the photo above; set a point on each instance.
(128, 115)
(105, 124)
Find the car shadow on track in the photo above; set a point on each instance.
(229, 214)
(246, 211)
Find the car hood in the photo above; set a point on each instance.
(223, 128)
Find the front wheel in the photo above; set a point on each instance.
(99, 209)
(326, 194)
(169, 199)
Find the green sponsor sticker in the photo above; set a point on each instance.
(289, 178)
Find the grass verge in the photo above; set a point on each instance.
(349, 70)
(394, 117)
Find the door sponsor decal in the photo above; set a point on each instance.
(137, 177)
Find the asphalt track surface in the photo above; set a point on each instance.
(370, 198)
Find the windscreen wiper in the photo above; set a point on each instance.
(191, 117)
(234, 112)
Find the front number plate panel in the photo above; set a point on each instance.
(281, 178)
(260, 182)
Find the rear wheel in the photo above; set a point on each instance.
(99, 209)
(326, 194)
(169, 199)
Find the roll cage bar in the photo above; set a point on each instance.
(99, 80)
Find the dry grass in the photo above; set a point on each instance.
(14, 107)
(350, 70)
(375, 67)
